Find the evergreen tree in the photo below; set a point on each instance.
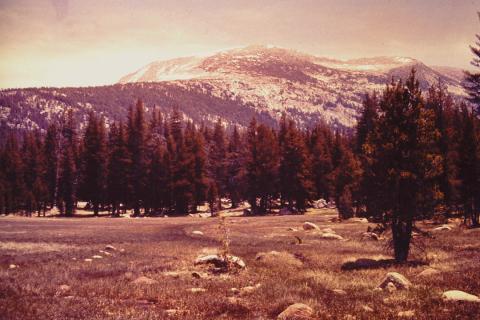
(321, 150)
(235, 168)
(13, 175)
(261, 167)
(472, 79)
(34, 173)
(442, 105)
(94, 163)
(294, 171)
(347, 176)
(136, 130)
(218, 154)
(181, 167)
(196, 149)
(403, 160)
(119, 163)
(68, 179)
(469, 168)
(51, 155)
(365, 128)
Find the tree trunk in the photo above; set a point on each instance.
(402, 234)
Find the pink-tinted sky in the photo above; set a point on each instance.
(87, 42)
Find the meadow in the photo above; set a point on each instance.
(143, 268)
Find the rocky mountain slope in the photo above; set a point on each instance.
(234, 85)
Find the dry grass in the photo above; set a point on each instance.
(50, 252)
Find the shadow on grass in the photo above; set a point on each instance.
(364, 264)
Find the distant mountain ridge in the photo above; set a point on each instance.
(233, 85)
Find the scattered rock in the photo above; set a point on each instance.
(339, 292)
(398, 280)
(247, 212)
(247, 290)
(360, 220)
(144, 280)
(122, 250)
(428, 272)
(457, 295)
(88, 260)
(328, 230)
(406, 314)
(263, 255)
(172, 312)
(280, 258)
(219, 261)
(296, 311)
(377, 290)
(109, 247)
(320, 204)
(310, 226)
(367, 309)
(331, 236)
(370, 236)
(172, 274)
(197, 233)
(390, 287)
(292, 229)
(350, 317)
(12, 266)
(64, 287)
(199, 275)
(97, 257)
(129, 275)
(197, 290)
(106, 253)
(331, 205)
(63, 290)
(444, 227)
(235, 291)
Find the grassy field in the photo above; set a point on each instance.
(50, 278)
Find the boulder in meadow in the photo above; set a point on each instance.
(296, 311)
(457, 295)
(397, 279)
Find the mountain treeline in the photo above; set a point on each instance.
(414, 155)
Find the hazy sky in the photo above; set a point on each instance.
(85, 42)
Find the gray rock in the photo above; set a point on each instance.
(370, 235)
(396, 279)
(331, 236)
(390, 287)
(144, 280)
(219, 261)
(428, 272)
(339, 292)
(457, 295)
(445, 227)
(310, 226)
(406, 314)
(296, 311)
(109, 247)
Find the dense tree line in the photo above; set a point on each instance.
(414, 155)
(153, 165)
